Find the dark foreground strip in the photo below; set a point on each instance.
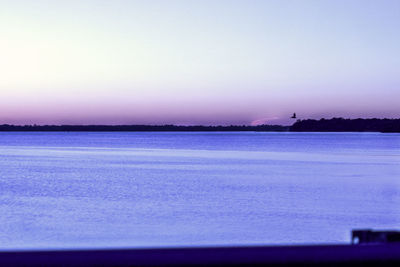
(328, 255)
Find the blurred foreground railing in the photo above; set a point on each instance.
(370, 253)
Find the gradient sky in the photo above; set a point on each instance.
(197, 62)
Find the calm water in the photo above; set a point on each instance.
(184, 189)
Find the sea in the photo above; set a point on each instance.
(62, 190)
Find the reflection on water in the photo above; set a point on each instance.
(184, 189)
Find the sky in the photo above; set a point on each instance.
(216, 62)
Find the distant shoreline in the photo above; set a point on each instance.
(322, 125)
(347, 125)
(141, 128)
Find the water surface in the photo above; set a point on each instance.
(72, 190)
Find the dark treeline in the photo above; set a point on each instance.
(322, 125)
(140, 128)
(347, 125)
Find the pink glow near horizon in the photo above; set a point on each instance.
(207, 62)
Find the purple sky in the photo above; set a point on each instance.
(197, 62)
